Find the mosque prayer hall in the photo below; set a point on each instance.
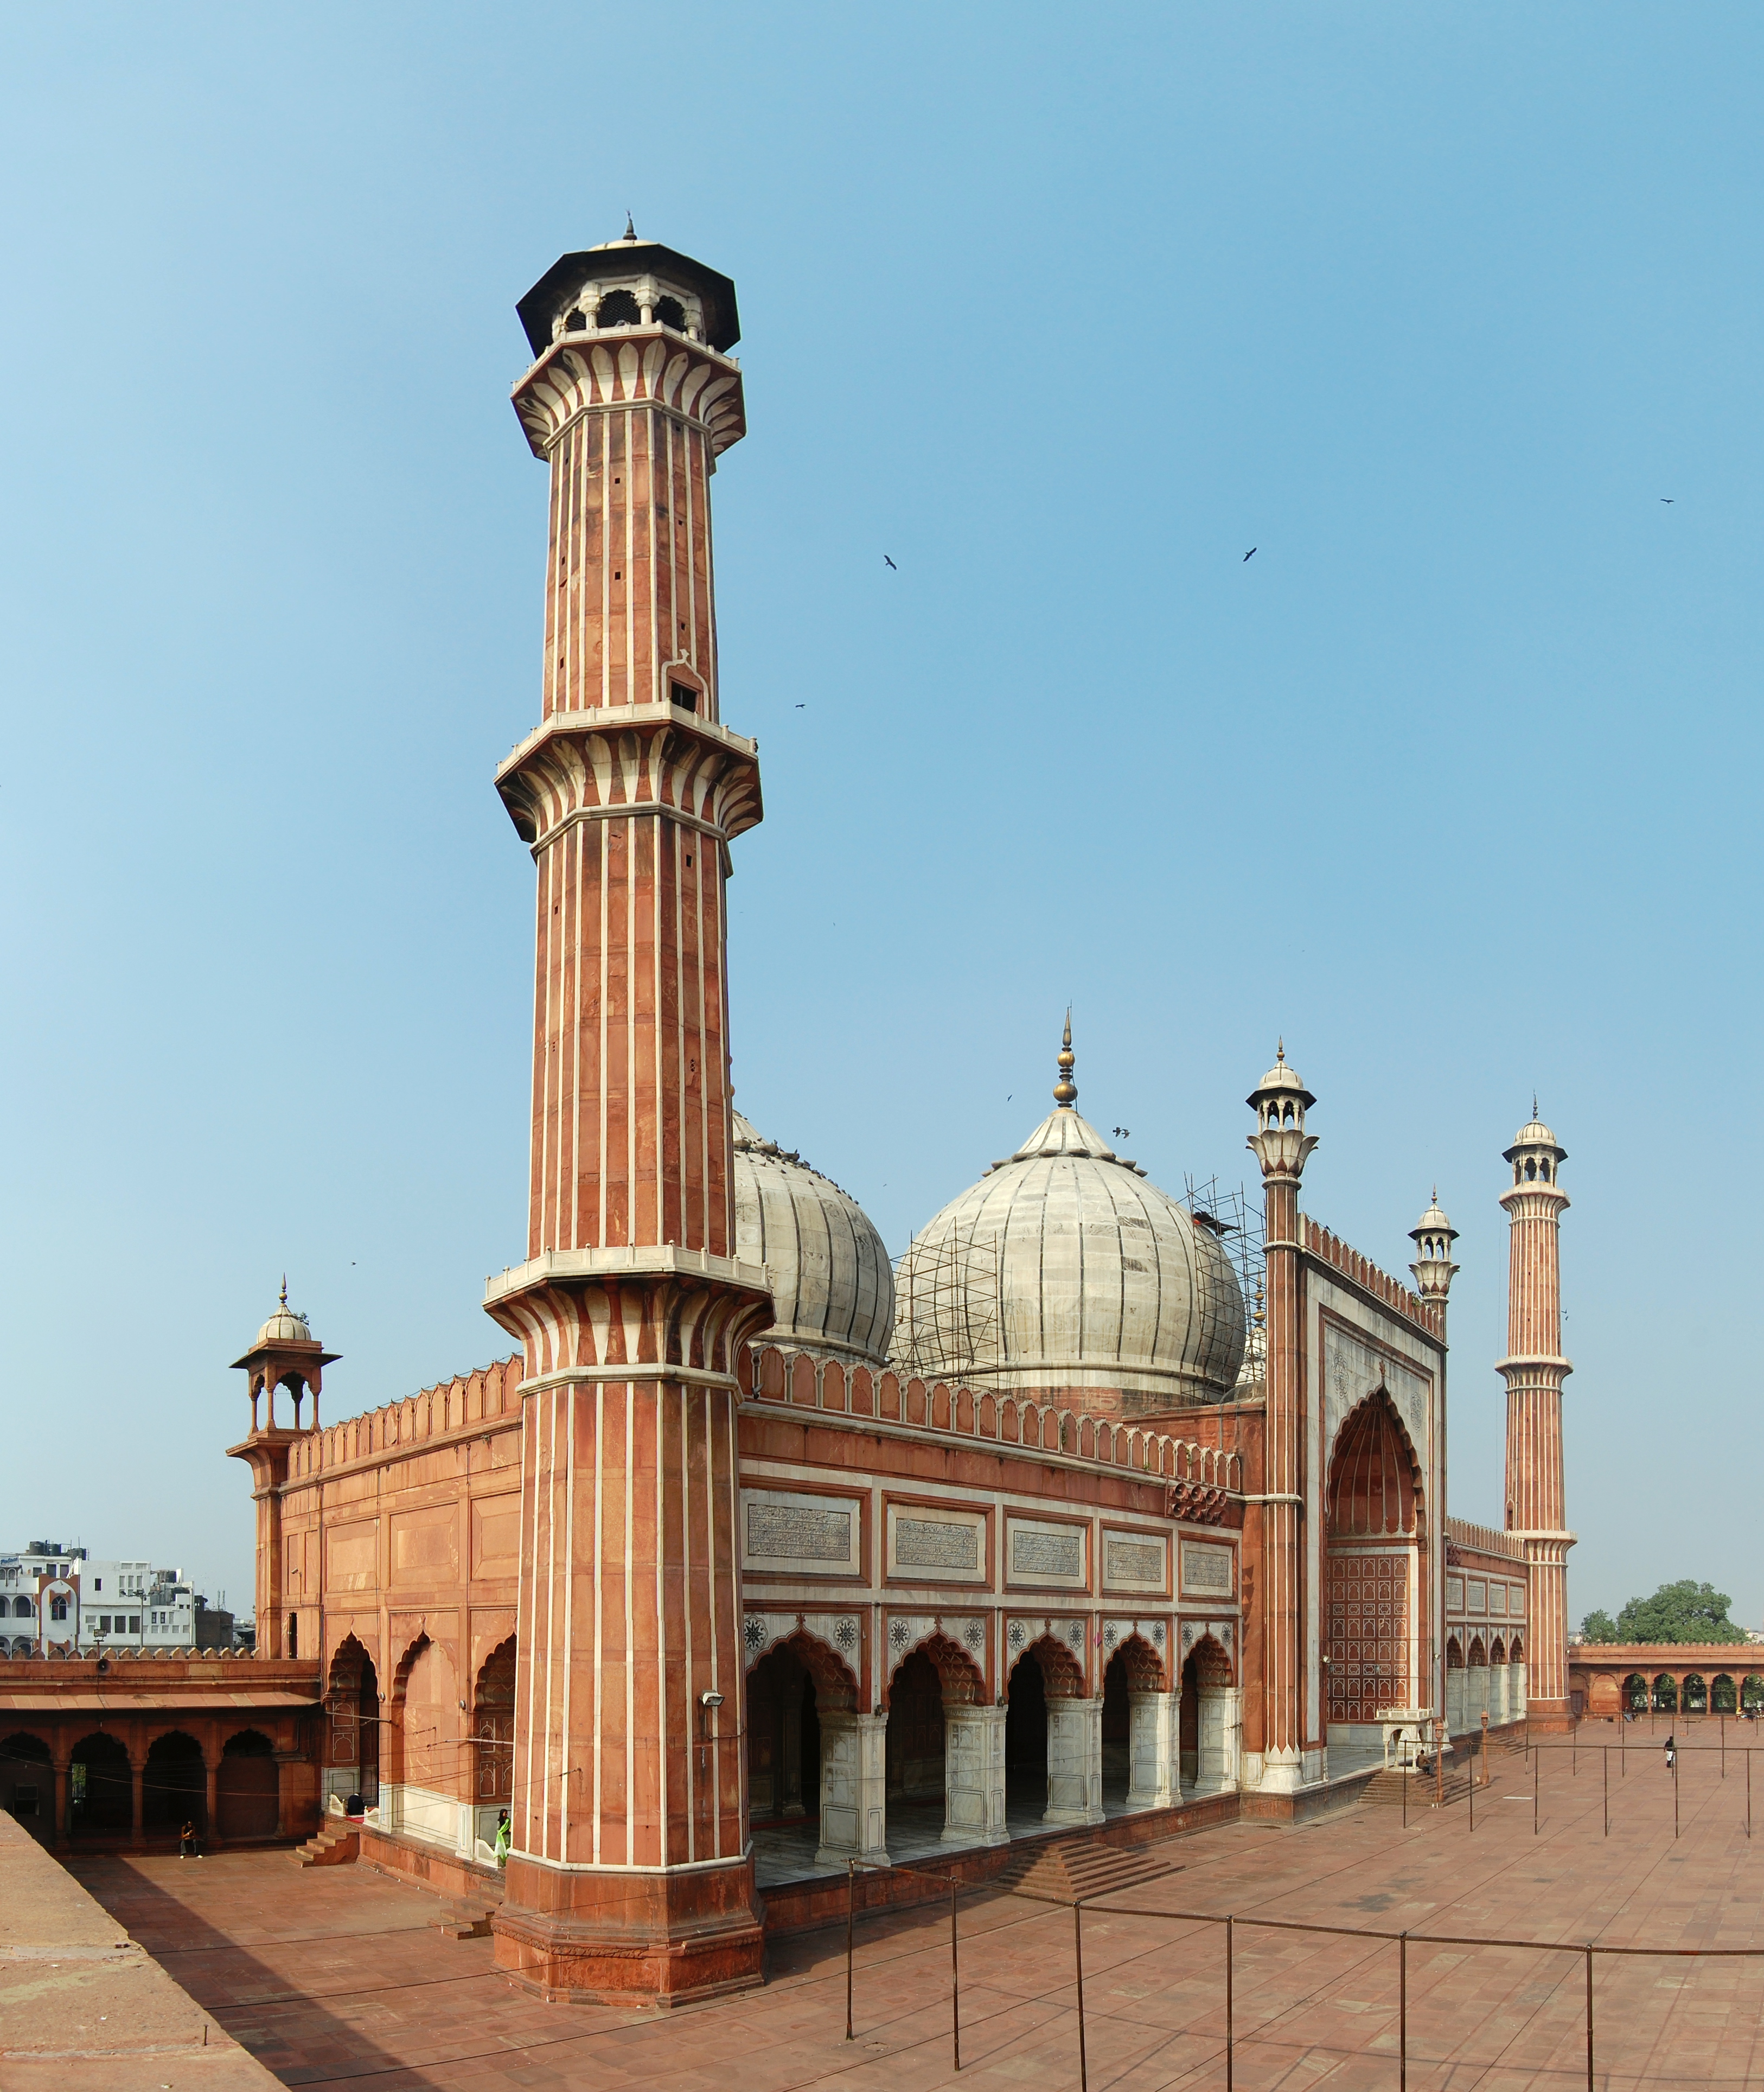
(757, 1556)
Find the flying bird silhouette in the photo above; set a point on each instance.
(799, 707)
(1668, 498)
(890, 562)
(1252, 552)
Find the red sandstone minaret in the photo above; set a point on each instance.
(1282, 1146)
(1537, 1508)
(631, 1876)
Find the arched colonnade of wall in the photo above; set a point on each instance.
(139, 1782)
(1486, 1677)
(1697, 1690)
(944, 1765)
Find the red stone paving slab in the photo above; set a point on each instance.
(333, 1976)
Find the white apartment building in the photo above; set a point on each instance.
(39, 1597)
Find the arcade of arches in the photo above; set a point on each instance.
(938, 1764)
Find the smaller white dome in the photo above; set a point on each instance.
(832, 1285)
(285, 1326)
(1535, 1135)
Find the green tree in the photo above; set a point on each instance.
(1599, 1626)
(1685, 1611)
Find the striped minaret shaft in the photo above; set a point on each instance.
(630, 1873)
(1282, 1146)
(1535, 1369)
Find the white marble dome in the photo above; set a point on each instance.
(1065, 1267)
(831, 1282)
(286, 1325)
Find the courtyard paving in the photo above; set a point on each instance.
(337, 1976)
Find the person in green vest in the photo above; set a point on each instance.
(502, 1838)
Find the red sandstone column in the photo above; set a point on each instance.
(1282, 1146)
(631, 1875)
(1535, 1369)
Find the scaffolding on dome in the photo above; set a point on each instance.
(948, 1309)
(1236, 1217)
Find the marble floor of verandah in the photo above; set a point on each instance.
(338, 1976)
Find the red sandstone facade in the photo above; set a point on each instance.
(671, 1591)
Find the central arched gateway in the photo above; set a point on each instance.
(1374, 1581)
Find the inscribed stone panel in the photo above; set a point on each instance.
(1455, 1594)
(801, 1534)
(927, 1545)
(1206, 1569)
(1516, 1593)
(1479, 1595)
(1044, 1553)
(1136, 1562)
(1497, 1598)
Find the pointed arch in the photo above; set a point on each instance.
(1375, 1480)
(1144, 1665)
(1212, 1661)
(492, 1709)
(960, 1677)
(1454, 1654)
(1498, 1652)
(1063, 1676)
(1479, 1654)
(836, 1683)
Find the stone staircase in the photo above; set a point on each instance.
(339, 1842)
(1075, 1869)
(468, 1917)
(1384, 1790)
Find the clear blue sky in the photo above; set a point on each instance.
(1453, 783)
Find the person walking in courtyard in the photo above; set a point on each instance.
(1671, 1753)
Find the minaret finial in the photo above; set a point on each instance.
(1280, 1051)
(1066, 1090)
(284, 1292)
(1534, 1107)
(630, 227)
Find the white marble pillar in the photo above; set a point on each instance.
(1455, 1723)
(1221, 1732)
(973, 1775)
(853, 1788)
(1075, 1762)
(1154, 1737)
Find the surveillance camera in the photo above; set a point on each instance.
(710, 1699)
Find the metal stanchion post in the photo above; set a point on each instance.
(1608, 1790)
(1405, 1779)
(955, 1988)
(1589, 2019)
(1723, 1746)
(1230, 2029)
(1077, 1956)
(1472, 1791)
(1403, 2013)
(1674, 1794)
(851, 1902)
(1536, 1761)
(1749, 1791)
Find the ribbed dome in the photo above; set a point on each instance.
(832, 1284)
(286, 1326)
(1064, 1268)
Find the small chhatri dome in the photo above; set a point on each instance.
(1281, 1079)
(1434, 1221)
(1063, 1267)
(286, 1326)
(833, 1285)
(1534, 1140)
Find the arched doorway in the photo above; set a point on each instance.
(1208, 1720)
(1026, 1738)
(174, 1786)
(246, 1796)
(1752, 1695)
(100, 1787)
(914, 1750)
(1064, 1769)
(784, 1739)
(816, 1767)
(1666, 1693)
(1722, 1697)
(493, 1705)
(1635, 1693)
(1373, 1580)
(1693, 1695)
(353, 1698)
(1139, 1722)
(28, 1784)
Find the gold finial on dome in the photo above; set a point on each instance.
(1066, 1090)
(284, 1292)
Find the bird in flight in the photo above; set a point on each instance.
(799, 707)
(889, 562)
(1252, 552)
(1668, 498)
